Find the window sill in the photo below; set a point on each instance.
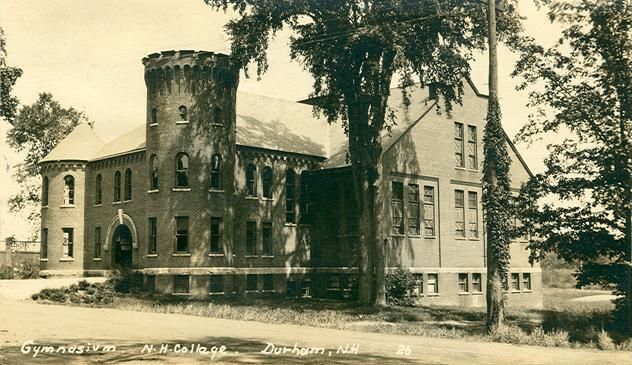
(153, 191)
(127, 201)
(267, 256)
(213, 190)
(252, 291)
(96, 259)
(460, 168)
(116, 203)
(182, 122)
(67, 206)
(464, 293)
(43, 259)
(265, 199)
(268, 291)
(98, 205)
(432, 295)
(217, 124)
(216, 255)
(430, 237)
(514, 291)
(288, 224)
(181, 294)
(44, 206)
(400, 235)
(153, 125)
(216, 293)
(527, 291)
(251, 256)
(181, 189)
(181, 255)
(460, 238)
(66, 259)
(250, 197)
(477, 293)
(151, 255)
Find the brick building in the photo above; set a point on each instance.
(223, 193)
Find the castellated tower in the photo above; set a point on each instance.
(190, 140)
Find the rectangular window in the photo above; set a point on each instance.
(151, 283)
(472, 208)
(413, 210)
(97, 242)
(397, 210)
(216, 284)
(216, 235)
(305, 285)
(334, 282)
(458, 145)
(251, 238)
(181, 284)
(266, 231)
(182, 234)
(463, 287)
(153, 236)
(459, 211)
(251, 282)
(476, 283)
(44, 250)
(68, 243)
(433, 283)
(515, 281)
(268, 282)
(526, 281)
(418, 289)
(429, 216)
(472, 157)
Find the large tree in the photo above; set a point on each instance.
(8, 77)
(353, 49)
(582, 89)
(37, 129)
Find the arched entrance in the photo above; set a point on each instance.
(122, 247)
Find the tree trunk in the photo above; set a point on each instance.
(495, 191)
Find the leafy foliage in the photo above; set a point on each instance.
(8, 77)
(37, 129)
(584, 90)
(353, 49)
(400, 285)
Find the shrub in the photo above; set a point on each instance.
(81, 293)
(537, 337)
(6, 272)
(28, 270)
(126, 281)
(604, 342)
(400, 285)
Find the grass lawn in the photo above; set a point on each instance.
(561, 323)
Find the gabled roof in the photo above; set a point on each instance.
(131, 141)
(79, 145)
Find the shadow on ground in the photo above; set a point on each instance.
(238, 351)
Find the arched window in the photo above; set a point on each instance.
(251, 181)
(128, 184)
(182, 170)
(45, 191)
(217, 116)
(267, 182)
(69, 190)
(154, 116)
(216, 168)
(117, 186)
(290, 199)
(153, 172)
(98, 192)
(183, 112)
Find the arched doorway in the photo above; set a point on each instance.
(122, 247)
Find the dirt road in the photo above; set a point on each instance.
(62, 327)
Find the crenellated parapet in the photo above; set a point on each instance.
(187, 71)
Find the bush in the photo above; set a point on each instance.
(93, 294)
(127, 281)
(28, 270)
(6, 272)
(537, 337)
(400, 285)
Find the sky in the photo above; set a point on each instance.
(88, 55)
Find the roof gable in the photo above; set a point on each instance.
(81, 144)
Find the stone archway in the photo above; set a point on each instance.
(122, 237)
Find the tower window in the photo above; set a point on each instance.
(153, 236)
(97, 242)
(251, 238)
(117, 186)
(290, 199)
(183, 112)
(68, 243)
(217, 116)
(153, 166)
(182, 234)
(251, 182)
(128, 184)
(98, 194)
(267, 182)
(69, 190)
(216, 168)
(182, 170)
(154, 116)
(45, 191)
(216, 235)
(266, 239)
(44, 249)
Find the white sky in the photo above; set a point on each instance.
(88, 55)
